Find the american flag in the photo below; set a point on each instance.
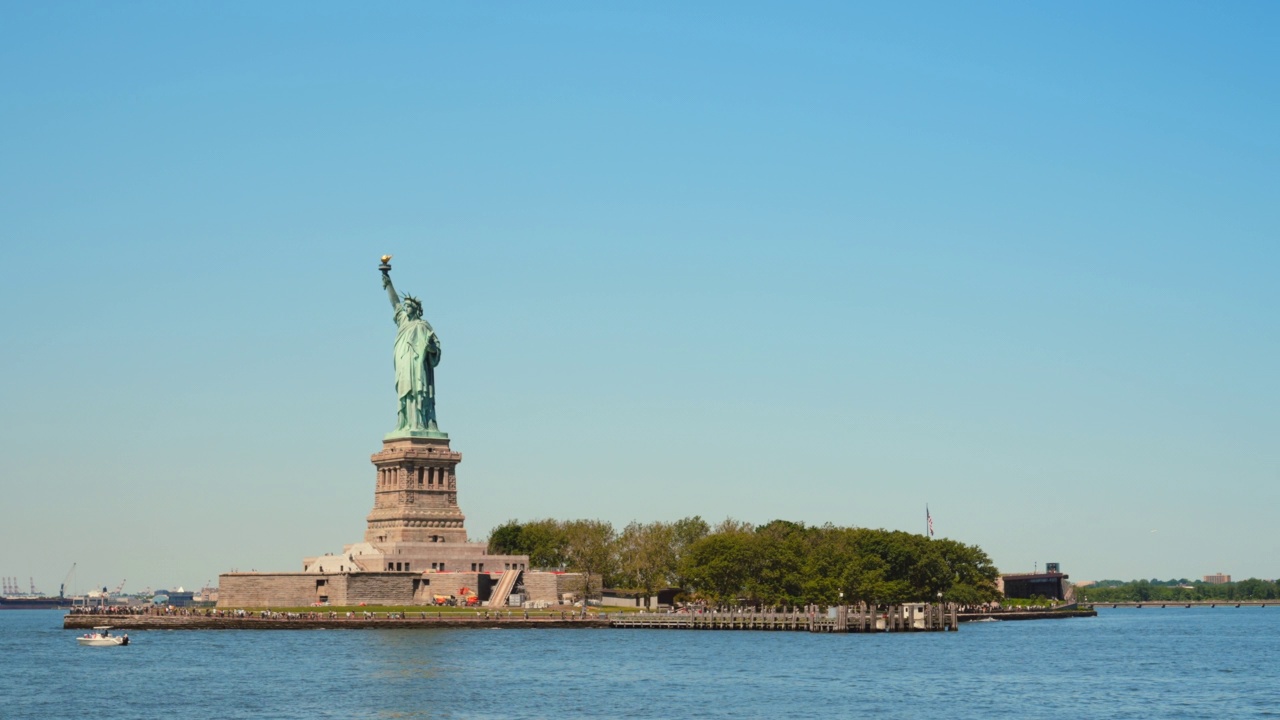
(928, 518)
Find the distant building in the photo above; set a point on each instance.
(176, 598)
(1218, 579)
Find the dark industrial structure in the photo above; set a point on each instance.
(1049, 585)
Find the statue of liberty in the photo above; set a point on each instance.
(417, 353)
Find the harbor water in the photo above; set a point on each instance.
(1126, 663)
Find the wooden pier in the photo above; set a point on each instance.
(915, 617)
(1186, 604)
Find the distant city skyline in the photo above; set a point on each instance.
(823, 263)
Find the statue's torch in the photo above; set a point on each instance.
(385, 267)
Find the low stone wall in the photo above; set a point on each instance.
(449, 583)
(540, 586)
(240, 590)
(379, 589)
(550, 587)
(278, 589)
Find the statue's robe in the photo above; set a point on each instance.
(417, 353)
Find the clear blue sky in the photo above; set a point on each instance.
(821, 262)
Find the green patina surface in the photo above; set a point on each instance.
(416, 355)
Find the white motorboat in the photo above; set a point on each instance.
(102, 637)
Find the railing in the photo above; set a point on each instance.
(896, 618)
(1187, 603)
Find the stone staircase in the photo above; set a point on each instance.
(506, 583)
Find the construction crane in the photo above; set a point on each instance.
(62, 589)
(32, 582)
(116, 592)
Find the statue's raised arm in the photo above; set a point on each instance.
(385, 267)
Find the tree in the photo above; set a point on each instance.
(685, 532)
(827, 567)
(719, 565)
(782, 552)
(729, 525)
(971, 574)
(647, 556)
(1142, 590)
(590, 549)
(544, 541)
(778, 563)
(505, 539)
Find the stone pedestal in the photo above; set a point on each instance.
(416, 495)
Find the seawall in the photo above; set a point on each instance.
(200, 622)
(1028, 615)
(445, 621)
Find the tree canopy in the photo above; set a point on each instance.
(778, 563)
(1179, 591)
